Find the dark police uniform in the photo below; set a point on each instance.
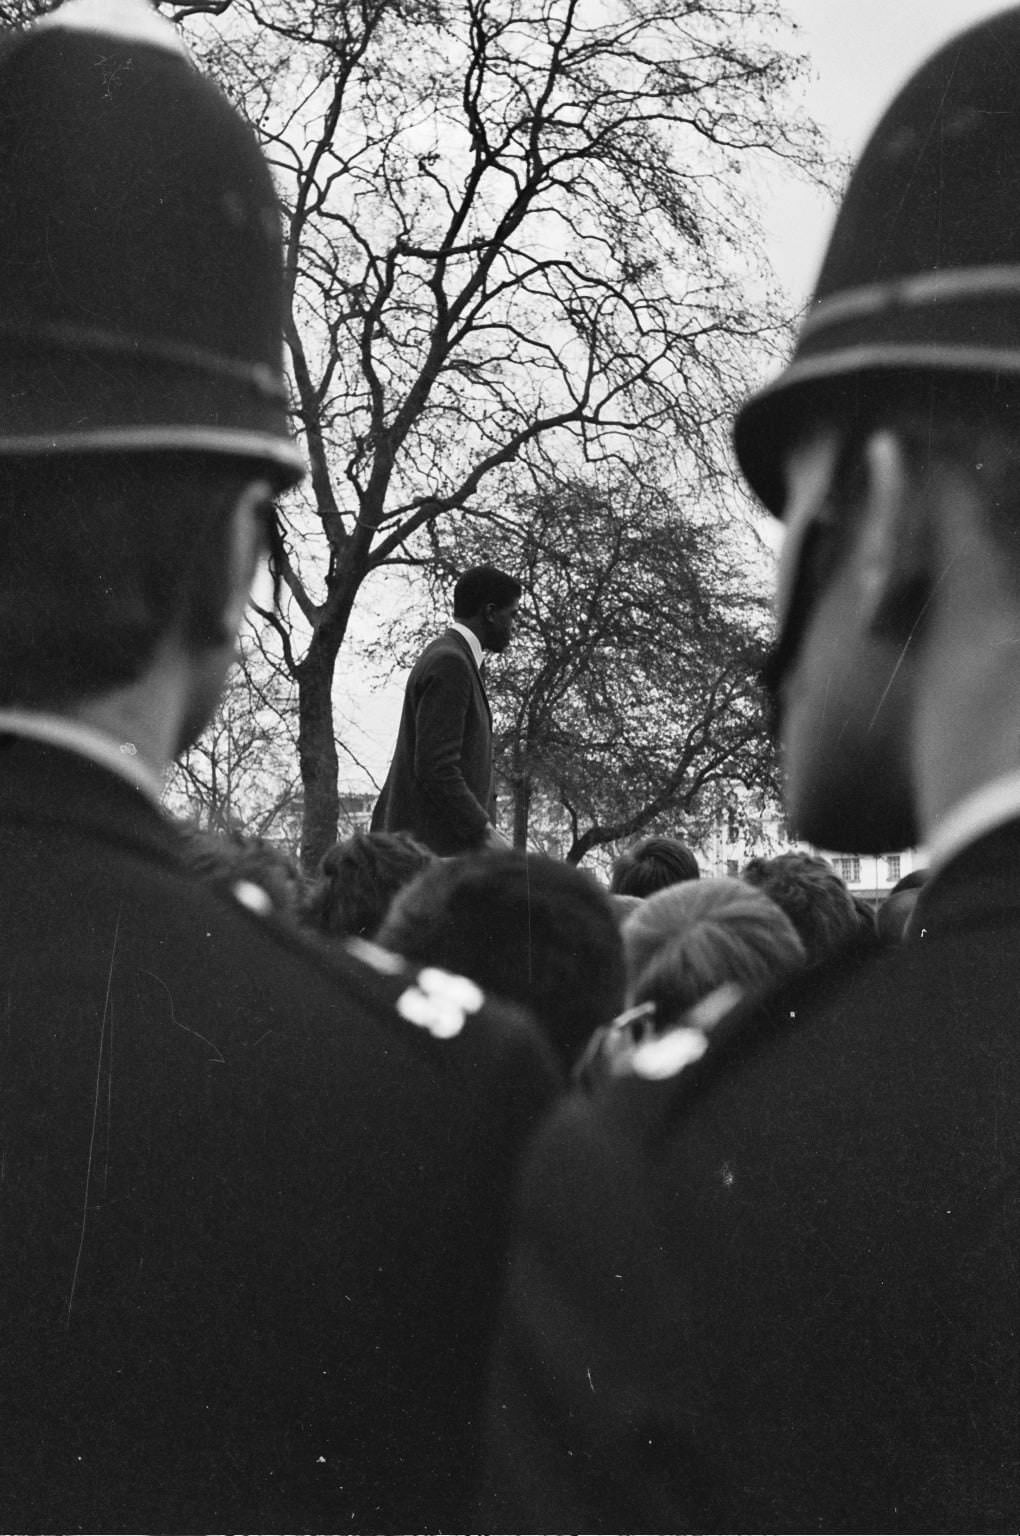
(777, 1289)
(252, 1203)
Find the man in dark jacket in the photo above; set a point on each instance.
(767, 1279)
(252, 1202)
(440, 784)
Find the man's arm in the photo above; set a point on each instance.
(443, 739)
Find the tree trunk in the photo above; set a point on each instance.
(317, 754)
(522, 790)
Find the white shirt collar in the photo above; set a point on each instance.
(120, 757)
(472, 640)
(970, 818)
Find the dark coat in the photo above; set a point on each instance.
(779, 1290)
(440, 784)
(252, 1218)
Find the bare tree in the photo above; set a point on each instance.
(241, 775)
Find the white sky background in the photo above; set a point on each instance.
(860, 53)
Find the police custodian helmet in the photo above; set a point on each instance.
(923, 269)
(140, 262)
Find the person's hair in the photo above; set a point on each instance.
(814, 898)
(529, 928)
(358, 878)
(233, 860)
(685, 941)
(898, 906)
(483, 584)
(101, 557)
(867, 928)
(651, 865)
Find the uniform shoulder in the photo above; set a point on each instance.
(234, 929)
(654, 1085)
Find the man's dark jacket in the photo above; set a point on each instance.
(440, 784)
(780, 1290)
(252, 1218)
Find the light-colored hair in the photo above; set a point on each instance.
(688, 939)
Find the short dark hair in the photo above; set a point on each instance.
(814, 898)
(480, 585)
(651, 865)
(229, 860)
(358, 878)
(529, 928)
(897, 909)
(101, 556)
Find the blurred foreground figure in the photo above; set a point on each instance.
(252, 1203)
(766, 1279)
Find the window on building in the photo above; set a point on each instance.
(849, 869)
(892, 868)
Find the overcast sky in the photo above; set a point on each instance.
(861, 51)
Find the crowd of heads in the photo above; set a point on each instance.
(551, 938)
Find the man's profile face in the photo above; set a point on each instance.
(844, 695)
(499, 625)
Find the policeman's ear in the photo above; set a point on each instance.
(246, 548)
(894, 548)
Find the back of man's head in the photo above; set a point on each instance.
(687, 940)
(529, 928)
(812, 895)
(897, 909)
(140, 353)
(651, 865)
(101, 557)
(357, 880)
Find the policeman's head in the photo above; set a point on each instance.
(890, 447)
(143, 412)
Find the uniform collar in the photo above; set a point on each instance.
(119, 757)
(474, 644)
(969, 819)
